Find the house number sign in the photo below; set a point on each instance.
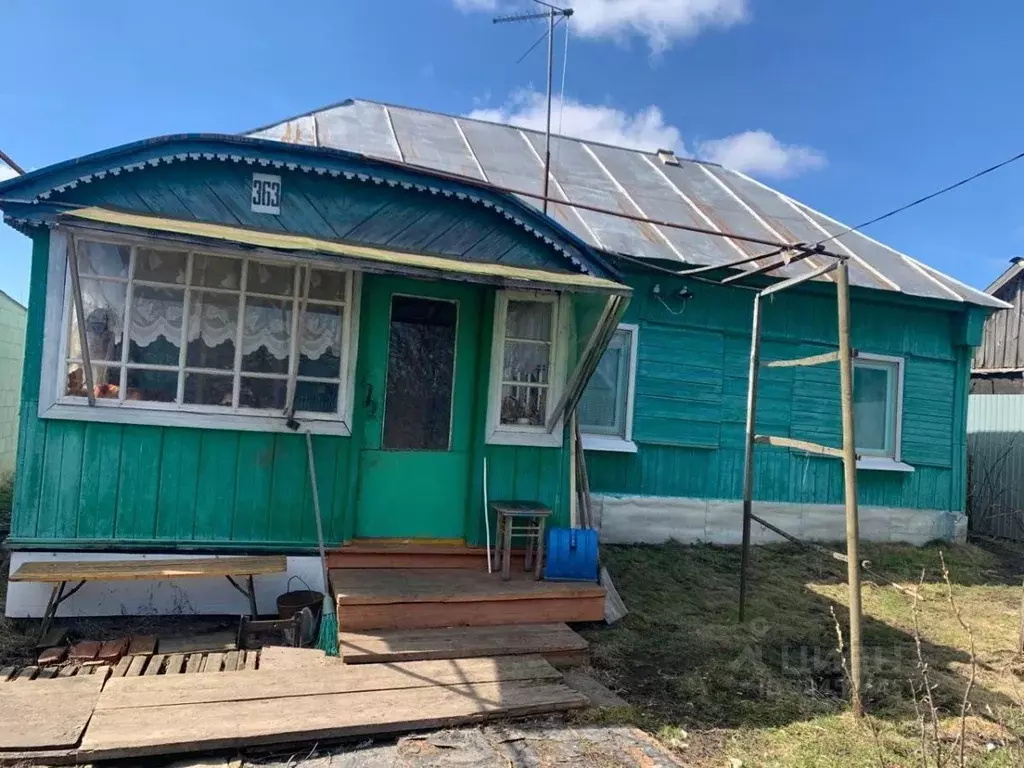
(266, 193)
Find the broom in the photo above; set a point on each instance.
(327, 640)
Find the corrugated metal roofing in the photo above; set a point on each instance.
(635, 182)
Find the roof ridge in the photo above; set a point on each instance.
(439, 113)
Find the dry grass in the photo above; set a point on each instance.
(772, 692)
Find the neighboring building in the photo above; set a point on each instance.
(418, 321)
(12, 358)
(995, 415)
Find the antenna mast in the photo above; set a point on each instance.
(550, 14)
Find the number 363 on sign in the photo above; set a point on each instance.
(266, 193)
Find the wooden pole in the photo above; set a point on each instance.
(83, 336)
(850, 480)
(748, 449)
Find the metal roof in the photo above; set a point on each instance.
(635, 182)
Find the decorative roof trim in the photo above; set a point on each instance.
(305, 168)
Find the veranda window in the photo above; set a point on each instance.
(194, 331)
(527, 367)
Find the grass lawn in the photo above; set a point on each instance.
(772, 692)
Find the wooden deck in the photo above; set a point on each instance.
(555, 642)
(410, 553)
(423, 598)
(103, 718)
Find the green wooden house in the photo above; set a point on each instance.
(360, 270)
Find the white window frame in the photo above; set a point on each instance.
(593, 441)
(54, 404)
(516, 434)
(880, 460)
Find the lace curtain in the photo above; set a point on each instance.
(158, 313)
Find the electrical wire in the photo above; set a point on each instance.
(926, 198)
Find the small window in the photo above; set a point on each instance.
(877, 406)
(526, 368)
(605, 410)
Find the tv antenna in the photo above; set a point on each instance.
(553, 12)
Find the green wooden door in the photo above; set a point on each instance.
(419, 341)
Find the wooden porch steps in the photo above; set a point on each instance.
(555, 642)
(410, 553)
(425, 598)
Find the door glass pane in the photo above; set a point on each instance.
(872, 407)
(420, 375)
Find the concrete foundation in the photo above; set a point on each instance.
(655, 520)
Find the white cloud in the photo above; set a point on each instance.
(646, 129)
(660, 22)
(6, 172)
(761, 154)
(756, 152)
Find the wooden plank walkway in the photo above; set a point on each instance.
(143, 716)
(140, 665)
(50, 714)
(556, 642)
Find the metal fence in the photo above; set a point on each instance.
(995, 462)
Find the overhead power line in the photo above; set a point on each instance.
(925, 199)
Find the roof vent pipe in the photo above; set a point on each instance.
(668, 157)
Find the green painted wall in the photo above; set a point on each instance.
(691, 398)
(12, 357)
(84, 485)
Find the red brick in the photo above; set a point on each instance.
(84, 651)
(112, 650)
(53, 655)
(144, 645)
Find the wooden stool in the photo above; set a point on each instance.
(524, 518)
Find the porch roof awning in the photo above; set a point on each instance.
(373, 259)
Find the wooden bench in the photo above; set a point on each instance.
(62, 573)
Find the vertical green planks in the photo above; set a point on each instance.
(179, 474)
(253, 476)
(137, 486)
(218, 468)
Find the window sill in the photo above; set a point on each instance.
(883, 464)
(607, 443)
(189, 419)
(540, 438)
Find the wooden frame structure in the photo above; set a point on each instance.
(847, 453)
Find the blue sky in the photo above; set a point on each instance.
(853, 108)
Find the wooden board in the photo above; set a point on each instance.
(173, 690)
(47, 713)
(457, 643)
(225, 640)
(469, 614)
(381, 586)
(129, 570)
(283, 657)
(154, 730)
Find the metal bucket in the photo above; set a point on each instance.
(291, 603)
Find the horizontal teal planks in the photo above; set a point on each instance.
(691, 391)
